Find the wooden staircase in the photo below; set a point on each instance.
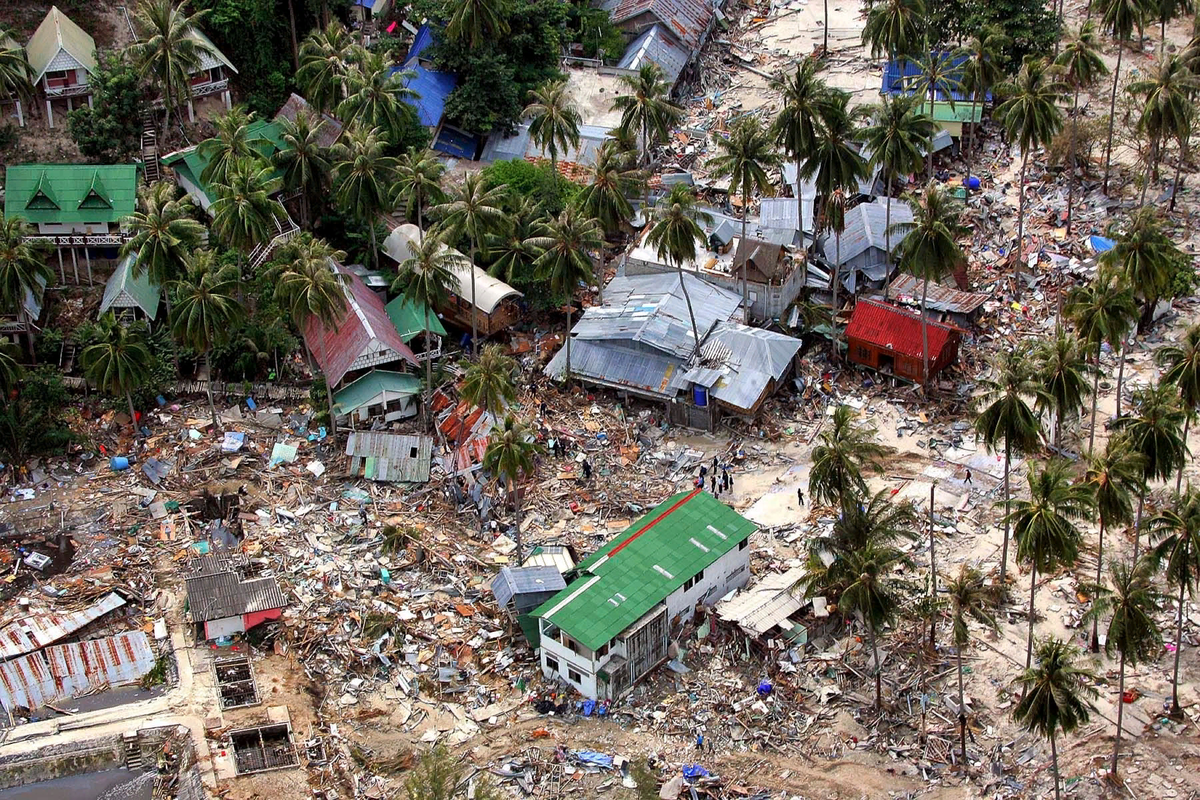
(151, 167)
(285, 229)
(133, 752)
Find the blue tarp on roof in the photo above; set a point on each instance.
(432, 88)
(898, 77)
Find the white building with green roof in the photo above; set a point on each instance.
(62, 58)
(613, 623)
(128, 295)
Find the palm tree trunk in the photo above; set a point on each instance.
(971, 141)
(1032, 615)
(132, 413)
(1071, 159)
(1099, 574)
(932, 575)
(295, 44)
(1187, 422)
(1152, 169)
(1054, 764)
(924, 338)
(428, 371)
(212, 407)
(1120, 379)
(825, 44)
(741, 244)
(374, 247)
(929, 147)
(1004, 544)
(878, 666)
(800, 214)
(833, 312)
(688, 301)
(1137, 523)
(1178, 177)
(1112, 116)
(962, 711)
(1095, 401)
(887, 235)
(568, 342)
(474, 309)
(1178, 649)
(1020, 225)
(1120, 716)
(512, 497)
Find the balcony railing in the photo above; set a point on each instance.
(84, 240)
(200, 90)
(67, 91)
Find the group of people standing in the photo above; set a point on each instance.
(718, 478)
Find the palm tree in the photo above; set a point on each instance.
(1181, 368)
(1103, 311)
(162, 237)
(1056, 696)
(24, 267)
(375, 96)
(15, 76)
(1044, 526)
(895, 28)
(425, 280)
(1155, 434)
(119, 361)
(838, 462)
(509, 456)
(899, 130)
(1031, 119)
(930, 250)
(326, 60)
(1167, 107)
(971, 598)
(1146, 255)
(1006, 414)
(874, 594)
(170, 51)
(1119, 18)
(11, 371)
(1081, 67)
(230, 147)
(303, 163)
(1112, 476)
(364, 176)
(555, 121)
(835, 163)
(418, 184)
(1131, 604)
(612, 180)
(488, 383)
(476, 21)
(833, 218)
(647, 112)
(982, 68)
(206, 310)
(804, 96)
(513, 254)
(938, 73)
(1063, 366)
(1176, 531)
(744, 157)
(674, 231)
(474, 211)
(862, 522)
(1167, 10)
(565, 247)
(245, 212)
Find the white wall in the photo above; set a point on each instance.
(85, 228)
(226, 626)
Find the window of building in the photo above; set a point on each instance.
(574, 676)
(863, 352)
(552, 663)
(743, 544)
(603, 651)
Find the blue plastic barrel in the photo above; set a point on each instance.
(971, 183)
(700, 396)
(118, 463)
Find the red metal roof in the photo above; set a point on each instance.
(686, 20)
(895, 329)
(365, 334)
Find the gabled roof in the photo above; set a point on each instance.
(656, 46)
(123, 290)
(767, 259)
(686, 20)
(409, 319)
(489, 291)
(212, 57)
(900, 76)
(70, 193)
(433, 88)
(370, 388)
(264, 136)
(866, 227)
(363, 337)
(896, 329)
(743, 361)
(331, 131)
(58, 34)
(907, 289)
(642, 566)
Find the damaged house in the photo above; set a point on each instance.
(613, 623)
(640, 342)
(224, 598)
(865, 256)
(888, 339)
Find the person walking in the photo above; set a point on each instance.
(800, 496)
(967, 481)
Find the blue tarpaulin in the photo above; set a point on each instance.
(1101, 244)
(593, 758)
(693, 771)
(454, 142)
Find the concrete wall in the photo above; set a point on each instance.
(56, 761)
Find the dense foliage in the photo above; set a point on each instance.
(1030, 25)
(109, 131)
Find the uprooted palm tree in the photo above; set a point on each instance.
(845, 451)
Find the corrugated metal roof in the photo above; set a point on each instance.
(521, 146)
(489, 291)
(368, 390)
(35, 632)
(433, 88)
(609, 362)
(656, 46)
(123, 290)
(226, 594)
(896, 329)
(70, 193)
(808, 188)
(779, 213)
(511, 581)
(866, 227)
(749, 360)
(907, 289)
(765, 604)
(73, 669)
(363, 337)
(330, 132)
(410, 319)
(899, 77)
(686, 20)
(389, 457)
(212, 55)
(57, 32)
(642, 566)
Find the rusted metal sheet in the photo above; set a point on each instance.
(69, 670)
(35, 632)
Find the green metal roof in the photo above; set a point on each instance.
(265, 136)
(409, 319)
(123, 290)
(961, 112)
(362, 391)
(57, 32)
(638, 569)
(70, 193)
